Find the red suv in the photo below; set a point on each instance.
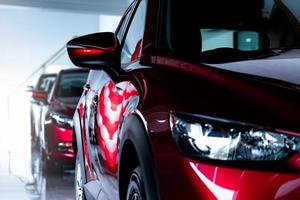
(191, 100)
(56, 135)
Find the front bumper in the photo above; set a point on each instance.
(237, 183)
(56, 134)
(183, 178)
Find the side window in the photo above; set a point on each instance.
(238, 39)
(122, 28)
(132, 45)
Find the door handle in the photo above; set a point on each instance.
(86, 87)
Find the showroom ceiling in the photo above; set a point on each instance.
(93, 6)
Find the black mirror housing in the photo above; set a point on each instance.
(29, 88)
(98, 50)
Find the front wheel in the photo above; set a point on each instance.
(136, 189)
(50, 166)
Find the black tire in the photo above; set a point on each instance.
(136, 188)
(52, 167)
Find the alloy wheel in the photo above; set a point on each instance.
(136, 190)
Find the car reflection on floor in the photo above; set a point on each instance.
(49, 186)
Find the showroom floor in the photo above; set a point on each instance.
(40, 186)
(49, 185)
(21, 174)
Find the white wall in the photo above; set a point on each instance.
(108, 23)
(90, 6)
(28, 37)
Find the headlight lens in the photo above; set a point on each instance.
(61, 120)
(217, 139)
(64, 147)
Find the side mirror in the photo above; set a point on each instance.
(29, 88)
(98, 50)
(39, 95)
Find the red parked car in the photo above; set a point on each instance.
(39, 94)
(191, 100)
(56, 137)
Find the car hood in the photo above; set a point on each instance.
(252, 96)
(65, 106)
(284, 67)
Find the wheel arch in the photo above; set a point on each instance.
(134, 141)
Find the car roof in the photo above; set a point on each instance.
(47, 75)
(73, 70)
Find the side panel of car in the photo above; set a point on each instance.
(102, 109)
(95, 172)
(41, 89)
(84, 111)
(113, 100)
(34, 118)
(103, 106)
(43, 112)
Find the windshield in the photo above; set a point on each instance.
(71, 84)
(231, 30)
(291, 6)
(45, 82)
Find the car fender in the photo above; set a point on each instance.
(135, 130)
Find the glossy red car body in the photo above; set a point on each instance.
(60, 134)
(56, 140)
(124, 118)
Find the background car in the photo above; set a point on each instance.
(39, 93)
(56, 137)
(191, 100)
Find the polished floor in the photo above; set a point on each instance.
(53, 186)
(40, 186)
(21, 168)
(56, 186)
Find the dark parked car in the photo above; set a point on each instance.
(191, 100)
(39, 93)
(56, 136)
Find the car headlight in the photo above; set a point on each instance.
(61, 119)
(217, 139)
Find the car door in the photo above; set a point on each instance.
(46, 85)
(104, 104)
